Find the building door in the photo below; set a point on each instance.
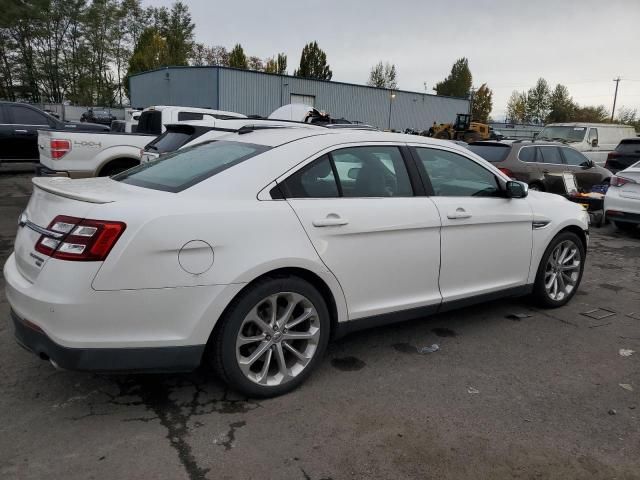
(305, 99)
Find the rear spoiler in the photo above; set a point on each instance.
(86, 191)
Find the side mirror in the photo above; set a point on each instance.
(594, 142)
(588, 164)
(516, 189)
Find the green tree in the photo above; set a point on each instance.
(458, 83)
(176, 27)
(313, 63)
(561, 105)
(517, 108)
(277, 64)
(237, 58)
(149, 53)
(538, 101)
(383, 76)
(595, 114)
(482, 104)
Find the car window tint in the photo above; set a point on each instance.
(315, 180)
(629, 146)
(453, 175)
(491, 153)
(189, 116)
(549, 155)
(372, 172)
(169, 141)
(573, 157)
(27, 116)
(182, 169)
(527, 154)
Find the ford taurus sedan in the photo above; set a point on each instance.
(252, 251)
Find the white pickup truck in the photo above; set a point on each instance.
(97, 154)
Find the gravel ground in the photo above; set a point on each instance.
(535, 397)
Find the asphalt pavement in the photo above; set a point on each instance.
(512, 392)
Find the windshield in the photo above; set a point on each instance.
(183, 169)
(562, 134)
(491, 153)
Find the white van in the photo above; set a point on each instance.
(153, 119)
(594, 140)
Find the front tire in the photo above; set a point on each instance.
(271, 337)
(560, 271)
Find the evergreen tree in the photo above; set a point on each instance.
(458, 83)
(482, 104)
(237, 58)
(313, 63)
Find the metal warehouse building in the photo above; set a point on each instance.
(250, 92)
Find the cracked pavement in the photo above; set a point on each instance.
(520, 397)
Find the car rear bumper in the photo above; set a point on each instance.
(621, 208)
(35, 340)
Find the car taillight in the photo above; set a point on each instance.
(617, 181)
(507, 172)
(59, 148)
(82, 239)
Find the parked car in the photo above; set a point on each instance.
(102, 117)
(194, 132)
(626, 154)
(19, 125)
(82, 154)
(622, 201)
(536, 162)
(594, 140)
(250, 252)
(153, 120)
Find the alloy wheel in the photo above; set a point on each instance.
(278, 338)
(562, 270)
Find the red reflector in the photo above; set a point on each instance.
(59, 148)
(507, 172)
(84, 239)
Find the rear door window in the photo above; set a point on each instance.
(183, 169)
(150, 122)
(573, 157)
(316, 180)
(527, 154)
(550, 155)
(491, 153)
(27, 116)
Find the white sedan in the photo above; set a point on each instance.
(622, 202)
(252, 251)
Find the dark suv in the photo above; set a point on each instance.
(626, 154)
(19, 125)
(536, 162)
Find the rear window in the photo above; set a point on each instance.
(182, 116)
(169, 141)
(491, 153)
(629, 146)
(150, 122)
(183, 169)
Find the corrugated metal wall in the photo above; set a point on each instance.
(259, 93)
(188, 86)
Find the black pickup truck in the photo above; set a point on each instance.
(19, 125)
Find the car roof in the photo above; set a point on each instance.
(519, 143)
(195, 110)
(284, 134)
(587, 124)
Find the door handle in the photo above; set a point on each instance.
(20, 131)
(331, 220)
(458, 214)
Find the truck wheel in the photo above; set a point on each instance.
(271, 337)
(116, 167)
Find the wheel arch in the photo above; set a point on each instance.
(124, 160)
(335, 302)
(578, 231)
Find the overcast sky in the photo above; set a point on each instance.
(583, 44)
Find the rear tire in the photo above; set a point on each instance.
(560, 271)
(265, 355)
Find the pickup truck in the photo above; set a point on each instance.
(80, 155)
(19, 125)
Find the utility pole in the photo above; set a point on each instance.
(615, 97)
